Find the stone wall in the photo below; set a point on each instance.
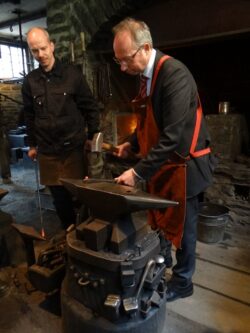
(71, 25)
(231, 185)
(229, 135)
(9, 109)
(231, 188)
(77, 22)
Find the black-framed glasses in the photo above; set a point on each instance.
(127, 59)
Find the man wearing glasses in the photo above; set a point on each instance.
(173, 142)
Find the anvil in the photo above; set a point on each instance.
(110, 256)
(114, 203)
(109, 200)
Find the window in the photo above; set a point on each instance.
(11, 64)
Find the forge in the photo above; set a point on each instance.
(115, 277)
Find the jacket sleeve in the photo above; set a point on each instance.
(174, 104)
(132, 139)
(88, 106)
(29, 114)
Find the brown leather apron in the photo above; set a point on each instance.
(170, 180)
(68, 165)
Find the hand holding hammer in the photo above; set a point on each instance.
(122, 151)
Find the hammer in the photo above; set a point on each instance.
(97, 144)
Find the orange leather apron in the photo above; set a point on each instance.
(170, 180)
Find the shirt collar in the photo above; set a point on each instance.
(56, 69)
(148, 71)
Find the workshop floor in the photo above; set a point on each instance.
(222, 279)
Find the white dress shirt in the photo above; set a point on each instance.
(148, 71)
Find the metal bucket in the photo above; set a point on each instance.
(212, 221)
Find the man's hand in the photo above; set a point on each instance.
(124, 150)
(127, 178)
(32, 153)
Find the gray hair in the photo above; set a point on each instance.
(139, 31)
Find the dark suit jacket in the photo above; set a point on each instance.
(175, 100)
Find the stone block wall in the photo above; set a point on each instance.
(77, 22)
(71, 25)
(231, 188)
(75, 27)
(231, 185)
(9, 109)
(228, 134)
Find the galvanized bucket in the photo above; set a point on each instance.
(212, 221)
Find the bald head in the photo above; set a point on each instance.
(37, 30)
(41, 47)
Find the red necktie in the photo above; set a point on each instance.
(143, 86)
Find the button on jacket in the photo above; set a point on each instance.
(60, 111)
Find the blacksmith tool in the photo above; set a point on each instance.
(28, 234)
(130, 304)
(39, 199)
(112, 305)
(115, 203)
(97, 144)
(83, 51)
(98, 180)
(113, 199)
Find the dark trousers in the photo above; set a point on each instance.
(4, 156)
(185, 257)
(64, 205)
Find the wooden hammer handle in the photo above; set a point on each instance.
(109, 147)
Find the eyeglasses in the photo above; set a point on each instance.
(127, 59)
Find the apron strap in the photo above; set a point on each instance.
(158, 67)
(192, 151)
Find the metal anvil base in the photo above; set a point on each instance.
(94, 275)
(99, 234)
(107, 256)
(78, 318)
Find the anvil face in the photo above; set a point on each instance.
(106, 199)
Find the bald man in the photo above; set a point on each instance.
(60, 114)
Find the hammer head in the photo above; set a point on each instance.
(96, 143)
